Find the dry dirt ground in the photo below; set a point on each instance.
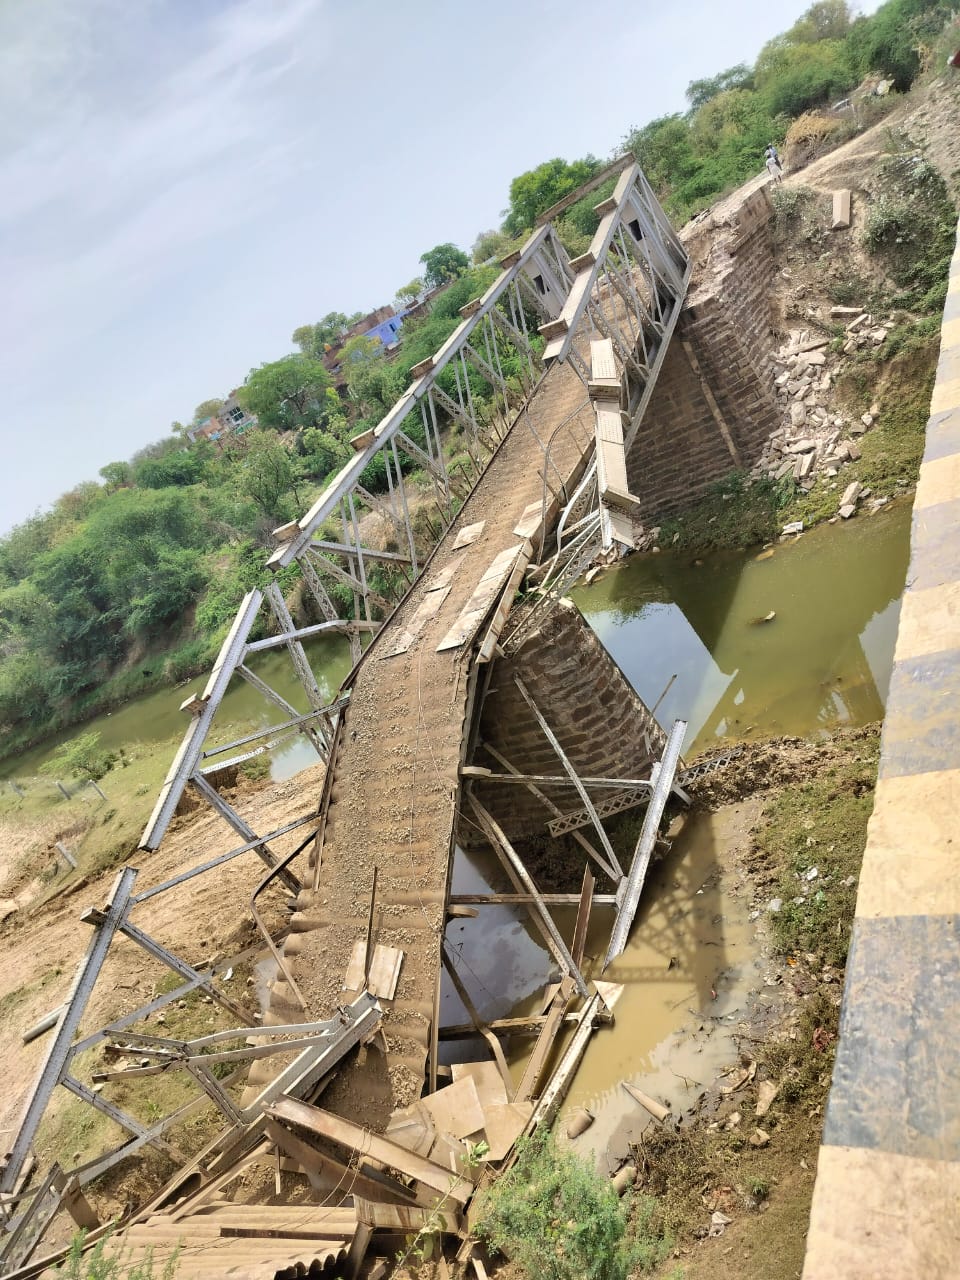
(201, 921)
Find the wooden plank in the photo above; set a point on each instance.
(358, 1139)
(413, 1128)
(583, 917)
(502, 611)
(455, 1109)
(426, 610)
(491, 1091)
(529, 521)
(445, 576)
(503, 1125)
(319, 1163)
(354, 977)
(358, 1250)
(385, 972)
(468, 534)
(533, 1072)
(485, 592)
(395, 1217)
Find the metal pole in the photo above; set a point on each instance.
(58, 1052)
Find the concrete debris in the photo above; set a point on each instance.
(766, 1092)
(774, 906)
(851, 493)
(795, 526)
(759, 1138)
(847, 511)
(804, 372)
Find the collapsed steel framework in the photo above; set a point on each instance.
(625, 294)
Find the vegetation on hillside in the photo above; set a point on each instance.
(131, 581)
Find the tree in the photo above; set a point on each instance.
(81, 757)
(313, 339)
(532, 193)
(117, 474)
(826, 20)
(286, 393)
(664, 151)
(409, 294)
(701, 91)
(207, 409)
(793, 77)
(175, 470)
(266, 474)
(372, 384)
(490, 244)
(442, 263)
(323, 452)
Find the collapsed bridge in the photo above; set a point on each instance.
(482, 707)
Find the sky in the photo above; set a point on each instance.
(184, 182)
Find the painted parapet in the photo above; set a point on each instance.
(888, 1178)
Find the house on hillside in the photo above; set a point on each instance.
(382, 325)
(232, 419)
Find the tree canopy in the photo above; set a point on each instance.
(532, 193)
(442, 263)
(287, 393)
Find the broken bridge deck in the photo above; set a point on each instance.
(393, 793)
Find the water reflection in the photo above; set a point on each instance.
(823, 660)
(156, 718)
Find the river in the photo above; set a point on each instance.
(155, 719)
(823, 659)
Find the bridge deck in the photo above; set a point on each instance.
(394, 789)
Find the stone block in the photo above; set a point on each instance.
(841, 209)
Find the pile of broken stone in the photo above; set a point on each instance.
(814, 441)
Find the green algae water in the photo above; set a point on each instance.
(823, 659)
(156, 718)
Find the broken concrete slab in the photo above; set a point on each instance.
(851, 493)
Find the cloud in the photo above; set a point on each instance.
(134, 134)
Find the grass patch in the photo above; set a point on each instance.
(820, 823)
(557, 1218)
(734, 512)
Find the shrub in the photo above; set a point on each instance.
(560, 1219)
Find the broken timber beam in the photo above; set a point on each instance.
(572, 773)
(357, 1139)
(552, 808)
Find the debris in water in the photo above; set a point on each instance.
(658, 1111)
(767, 617)
(579, 1122)
(764, 555)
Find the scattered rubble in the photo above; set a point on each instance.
(814, 440)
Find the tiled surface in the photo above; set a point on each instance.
(887, 1196)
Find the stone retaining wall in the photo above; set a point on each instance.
(887, 1193)
(714, 405)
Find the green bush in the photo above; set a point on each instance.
(560, 1219)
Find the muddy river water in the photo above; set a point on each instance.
(693, 967)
